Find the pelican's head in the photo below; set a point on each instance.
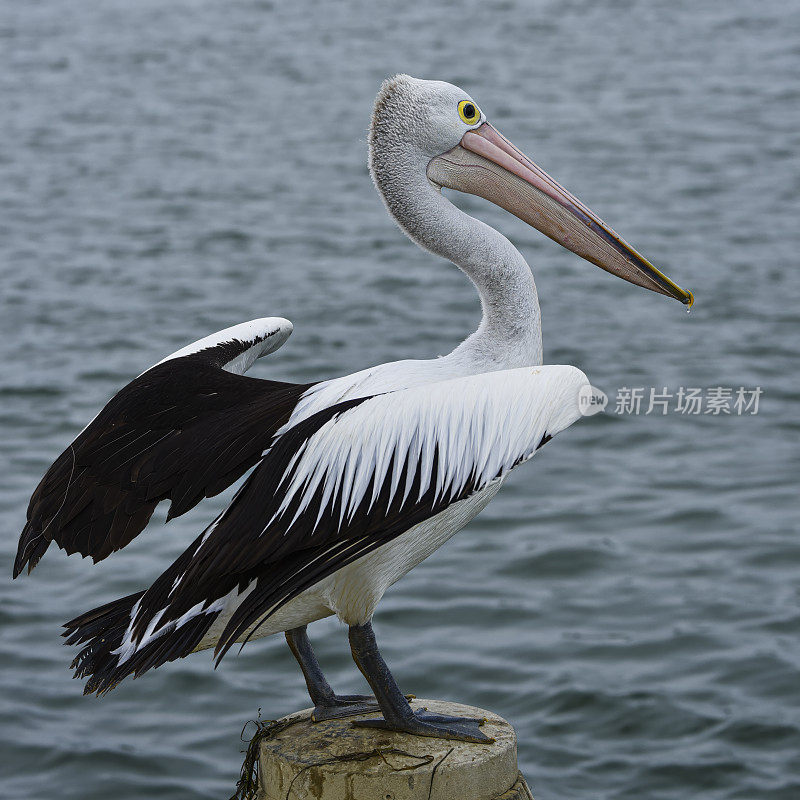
(437, 127)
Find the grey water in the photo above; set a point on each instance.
(630, 601)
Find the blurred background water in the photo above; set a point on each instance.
(630, 600)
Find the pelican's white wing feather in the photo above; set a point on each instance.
(475, 429)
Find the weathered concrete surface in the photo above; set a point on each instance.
(335, 761)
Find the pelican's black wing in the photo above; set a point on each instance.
(184, 430)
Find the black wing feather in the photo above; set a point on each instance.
(182, 431)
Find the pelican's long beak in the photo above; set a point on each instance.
(488, 165)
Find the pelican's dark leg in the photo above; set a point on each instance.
(327, 704)
(397, 712)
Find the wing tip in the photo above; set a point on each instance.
(261, 336)
(274, 331)
(32, 546)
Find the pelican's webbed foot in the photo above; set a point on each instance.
(423, 723)
(344, 705)
(397, 712)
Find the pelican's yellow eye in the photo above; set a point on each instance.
(469, 112)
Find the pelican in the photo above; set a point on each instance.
(354, 480)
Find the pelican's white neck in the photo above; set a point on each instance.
(510, 333)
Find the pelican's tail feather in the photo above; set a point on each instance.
(110, 654)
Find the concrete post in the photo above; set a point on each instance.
(335, 761)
